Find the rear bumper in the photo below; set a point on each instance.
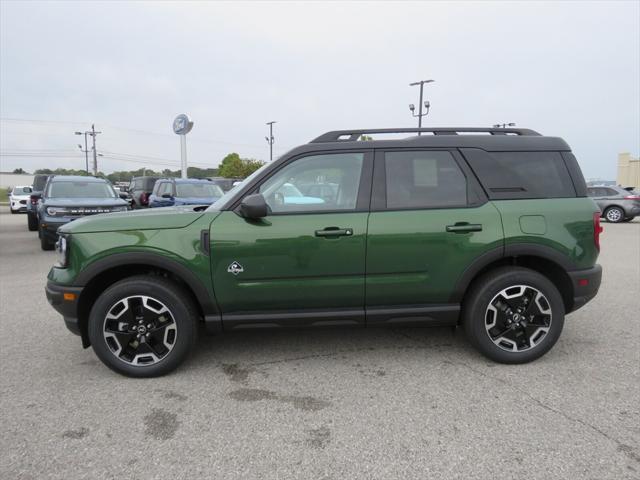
(67, 307)
(586, 284)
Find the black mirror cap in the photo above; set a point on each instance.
(253, 206)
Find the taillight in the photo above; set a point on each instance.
(632, 197)
(34, 199)
(144, 198)
(597, 229)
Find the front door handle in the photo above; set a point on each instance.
(331, 232)
(464, 227)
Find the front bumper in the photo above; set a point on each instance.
(586, 284)
(64, 300)
(49, 227)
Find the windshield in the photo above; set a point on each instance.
(217, 205)
(198, 190)
(79, 189)
(21, 190)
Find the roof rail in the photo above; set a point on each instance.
(353, 135)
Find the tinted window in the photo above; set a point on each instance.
(39, 182)
(592, 192)
(508, 175)
(424, 179)
(285, 190)
(80, 189)
(610, 192)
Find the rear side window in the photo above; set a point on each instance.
(39, 182)
(513, 175)
(424, 179)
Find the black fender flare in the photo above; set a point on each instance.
(208, 304)
(508, 251)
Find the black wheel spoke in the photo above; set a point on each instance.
(135, 332)
(519, 321)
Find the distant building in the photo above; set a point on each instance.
(628, 171)
(8, 179)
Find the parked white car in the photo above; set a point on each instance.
(18, 199)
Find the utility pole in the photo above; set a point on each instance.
(427, 105)
(504, 125)
(95, 153)
(270, 139)
(86, 150)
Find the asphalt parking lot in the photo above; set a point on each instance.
(329, 404)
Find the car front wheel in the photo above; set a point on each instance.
(32, 222)
(614, 214)
(143, 326)
(513, 315)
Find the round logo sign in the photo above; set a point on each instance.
(182, 124)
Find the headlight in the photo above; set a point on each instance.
(62, 248)
(54, 211)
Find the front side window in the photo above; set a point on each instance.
(317, 183)
(164, 188)
(424, 179)
(80, 189)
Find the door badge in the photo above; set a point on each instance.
(235, 268)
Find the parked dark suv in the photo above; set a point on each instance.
(140, 190)
(67, 198)
(493, 232)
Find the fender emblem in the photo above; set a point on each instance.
(235, 268)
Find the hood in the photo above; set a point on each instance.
(85, 202)
(147, 219)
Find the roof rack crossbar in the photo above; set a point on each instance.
(353, 135)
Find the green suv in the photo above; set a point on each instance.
(489, 229)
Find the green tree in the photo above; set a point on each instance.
(231, 166)
(19, 170)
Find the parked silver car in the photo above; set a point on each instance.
(617, 204)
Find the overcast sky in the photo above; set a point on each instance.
(566, 69)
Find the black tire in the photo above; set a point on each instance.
(32, 222)
(45, 243)
(614, 214)
(476, 315)
(182, 314)
(13, 212)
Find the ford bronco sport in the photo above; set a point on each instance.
(489, 229)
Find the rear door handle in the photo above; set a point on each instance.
(330, 232)
(464, 227)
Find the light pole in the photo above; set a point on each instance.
(270, 139)
(182, 125)
(427, 105)
(86, 150)
(504, 125)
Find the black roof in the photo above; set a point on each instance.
(490, 139)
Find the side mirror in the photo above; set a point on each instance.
(254, 206)
(166, 195)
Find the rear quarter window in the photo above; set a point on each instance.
(514, 175)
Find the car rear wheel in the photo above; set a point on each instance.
(513, 315)
(614, 214)
(143, 326)
(32, 222)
